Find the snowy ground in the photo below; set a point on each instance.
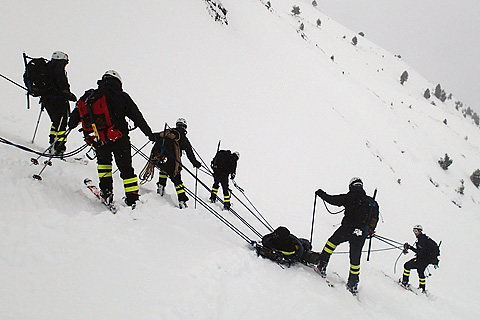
(300, 120)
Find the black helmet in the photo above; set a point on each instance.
(281, 232)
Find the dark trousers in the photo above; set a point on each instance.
(341, 235)
(420, 266)
(121, 150)
(167, 171)
(220, 178)
(56, 108)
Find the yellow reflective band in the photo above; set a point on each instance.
(104, 166)
(422, 281)
(328, 250)
(162, 176)
(354, 269)
(131, 189)
(406, 272)
(214, 190)
(331, 245)
(179, 186)
(130, 180)
(106, 174)
(53, 132)
(286, 253)
(180, 191)
(226, 199)
(62, 139)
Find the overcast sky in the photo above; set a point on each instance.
(439, 39)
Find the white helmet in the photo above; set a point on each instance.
(59, 55)
(355, 181)
(114, 74)
(181, 122)
(417, 228)
(237, 154)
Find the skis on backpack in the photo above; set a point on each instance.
(94, 189)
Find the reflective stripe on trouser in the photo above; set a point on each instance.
(180, 188)
(131, 185)
(163, 175)
(329, 247)
(422, 282)
(406, 275)
(354, 269)
(59, 135)
(104, 170)
(214, 191)
(226, 199)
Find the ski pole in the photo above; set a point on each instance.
(137, 151)
(196, 185)
(38, 121)
(313, 217)
(369, 248)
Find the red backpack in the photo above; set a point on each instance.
(95, 116)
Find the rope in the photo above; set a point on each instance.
(264, 222)
(207, 188)
(325, 204)
(44, 154)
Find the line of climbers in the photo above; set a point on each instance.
(102, 112)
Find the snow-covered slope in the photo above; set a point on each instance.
(301, 121)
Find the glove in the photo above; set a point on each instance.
(406, 246)
(71, 96)
(357, 232)
(232, 176)
(320, 193)
(197, 164)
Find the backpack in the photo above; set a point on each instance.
(98, 128)
(37, 77)
(223, 161)
(433, 251)
(367, 212)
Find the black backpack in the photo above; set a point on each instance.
(223, 161)
(433, 250)
(37, 77)
(367, 212)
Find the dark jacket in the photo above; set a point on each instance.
(60, 88)
(421, 248)
(186, 146)
(289, 246)
(349, 201)
(120, 105)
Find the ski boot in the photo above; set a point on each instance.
(107, 196)
(321, 269)
(352, 287)
(182, 204)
